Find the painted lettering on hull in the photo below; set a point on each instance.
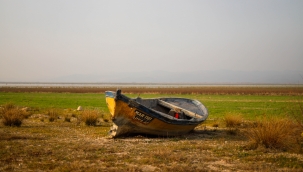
(143, 118)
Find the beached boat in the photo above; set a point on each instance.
(157, 116)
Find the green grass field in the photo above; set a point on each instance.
(249, 106)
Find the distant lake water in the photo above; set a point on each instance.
(125, 85)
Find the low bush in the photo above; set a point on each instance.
(274, 133)
(90, 117)
(106, 117)
(233, 120)
(6, 107)
(67, 119)
(12, 115)
(215, 125)
(52, 115)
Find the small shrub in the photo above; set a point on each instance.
(233, 131)
(6, 107)
(215, 125)
(12, 117)
(233, 120)
(67, 119)
(52, 114)
(107, 120)
(26, 112)
(106, 117)
(274, 133)
(90, 117)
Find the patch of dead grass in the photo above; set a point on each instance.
(274, 133)
(52, 114)
(90, 117)
(12, 115)
(233, 120)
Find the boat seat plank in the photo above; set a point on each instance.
(171, 106)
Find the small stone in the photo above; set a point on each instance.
(79, 108)
(148, 168)
(25, 109)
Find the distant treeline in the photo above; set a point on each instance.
(245, 90)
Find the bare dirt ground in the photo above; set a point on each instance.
(39, 145)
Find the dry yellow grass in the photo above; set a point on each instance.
(68, 146)
(52, 115)
(275, 133)
(90, 117)
(233, 120)
(12, 115)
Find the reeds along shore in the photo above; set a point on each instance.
(245, 90)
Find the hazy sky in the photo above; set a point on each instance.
(42, 39)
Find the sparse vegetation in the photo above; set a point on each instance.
(90, 117)
(274, 133)
(53, 115)
(233, 120)
(215, 125)
(61, 146)
(67, 119)
(12, 115)
(6, 107)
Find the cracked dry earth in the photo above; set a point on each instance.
(63, 146)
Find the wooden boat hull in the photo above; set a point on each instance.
(132, 116)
